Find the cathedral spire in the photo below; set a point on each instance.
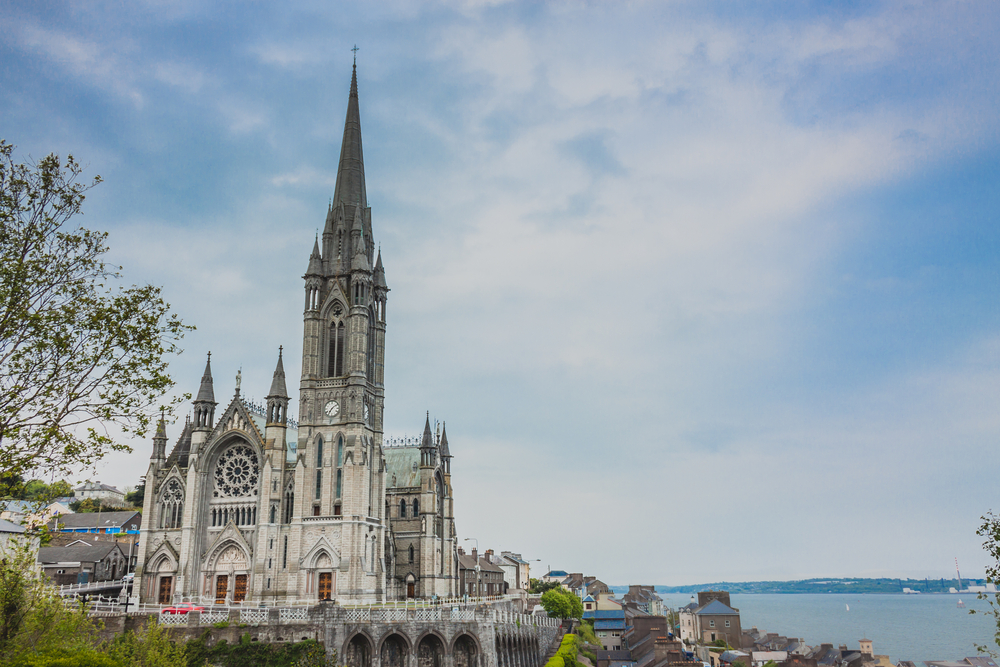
(277, 396)
(428, 439)
(443, 445)
(206, 392)
(278, 389)
(160, 439)
(427, 453)
(204, 404)
(315, 261)
(379, 271)
(350, 188)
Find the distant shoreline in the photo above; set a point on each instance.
(828, 585)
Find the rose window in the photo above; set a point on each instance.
(236, 473)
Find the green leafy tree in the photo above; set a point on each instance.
(87, 505)
(561, 603)
(137, 496)
(78, 350)
(33, 620)
(38, 490)
(990, 532)
(537, 586)
(149, 647)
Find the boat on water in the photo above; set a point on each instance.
(961, 605)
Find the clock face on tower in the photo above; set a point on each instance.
(332, 409)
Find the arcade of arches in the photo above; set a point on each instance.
(395, 650)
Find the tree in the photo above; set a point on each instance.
(137, 496)
(79, 352)
(561, 603)
(990, 531)
(32, 617)
(537, 586)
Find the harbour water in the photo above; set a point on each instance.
(904, 627)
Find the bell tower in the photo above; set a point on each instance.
(340, 476)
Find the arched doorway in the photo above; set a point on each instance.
(359, 652)
(394, 652)
(430, 652)
(229, 581)
(465, 653)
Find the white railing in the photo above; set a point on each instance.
(288, 615)
(389, 615)
(255, 616)
(356, 615)
(173, 619)
(215, 616)
(428, 614)
(462, 614)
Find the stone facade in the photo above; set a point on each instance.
(466, 636)
(256, 507)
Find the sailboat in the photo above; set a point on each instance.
(961, 605)
(848, 607)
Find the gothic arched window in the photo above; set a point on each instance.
(335, 361)
(416, 507)
(402, 508)
(340, 451)
(340, 482)
(411, 553)
(172, 505)
(289, 502)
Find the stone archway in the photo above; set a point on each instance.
(465, 654)
(395, 652)
(359, 652)
(430, 652)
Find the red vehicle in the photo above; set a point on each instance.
(181, 608)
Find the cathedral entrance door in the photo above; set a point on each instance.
(166, 584)
(240, 590)
(410, 590)
(325, 585)
(221, 588)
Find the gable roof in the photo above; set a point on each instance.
(99, 520)
(83, 553)
(9, 527)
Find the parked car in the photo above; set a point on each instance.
(182, 608)
(129, 578)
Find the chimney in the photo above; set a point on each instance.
(475, 553)
(489, 555)
(461, 551)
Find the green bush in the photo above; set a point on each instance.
(79, 658)
(566, 655)
(586, 632)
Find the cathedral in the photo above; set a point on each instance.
(252, 506)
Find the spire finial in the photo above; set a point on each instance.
(280, 348)
(355, 49)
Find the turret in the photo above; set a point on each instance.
(159, 443)
(204, 408)
(277, 404)
(443, 450)
(314, 278)
(428, 450)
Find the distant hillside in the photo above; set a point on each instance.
(854, 585)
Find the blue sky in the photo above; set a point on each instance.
(678, 276)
